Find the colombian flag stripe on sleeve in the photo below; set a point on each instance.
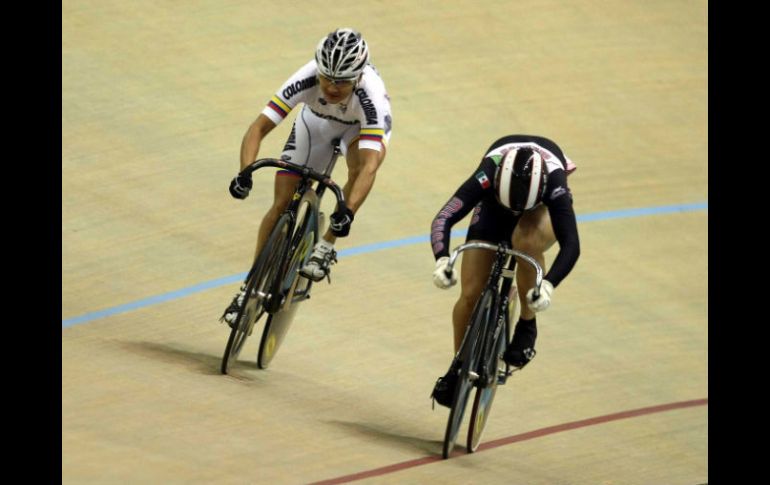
(279, 106)
(375, 134)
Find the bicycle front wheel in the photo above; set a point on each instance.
(485, 395)
(294, 288)
(470, 353)
(258, 285)
(482, 403)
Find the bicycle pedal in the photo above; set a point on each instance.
(473, 376)
(503, 375)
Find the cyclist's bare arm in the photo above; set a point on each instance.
(253, 139)
(369, 162)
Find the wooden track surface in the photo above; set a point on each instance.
(155, 99)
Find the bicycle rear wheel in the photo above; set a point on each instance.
(294, 288)
(470, 353)
(258, 285)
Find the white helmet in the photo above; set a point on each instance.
(520, 179)
(342, 55)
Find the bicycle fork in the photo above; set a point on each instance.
(490, 370)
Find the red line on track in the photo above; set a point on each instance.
(516, 438)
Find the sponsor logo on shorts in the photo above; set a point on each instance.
(558, 192)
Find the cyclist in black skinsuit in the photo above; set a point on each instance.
(519, 194)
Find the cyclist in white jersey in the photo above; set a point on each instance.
(344, 98)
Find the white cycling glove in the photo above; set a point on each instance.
(440, 278)
(544, 301)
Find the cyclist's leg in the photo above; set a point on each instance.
(309, 143)
(474, 271)
(283, 188)
(285, 183)
(492, 224)
(534, 236)
(324, 254)
(489, 224)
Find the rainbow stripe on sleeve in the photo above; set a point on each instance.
(279, 106)
(374, 134)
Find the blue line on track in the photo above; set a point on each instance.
(367, 248)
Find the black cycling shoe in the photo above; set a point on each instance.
(521, 350)
(444, 390)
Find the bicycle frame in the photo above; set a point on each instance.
(482, 346)
(305, 186)
(499, 282)
(273, 284)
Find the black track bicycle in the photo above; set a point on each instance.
(274, 285)
(479, 362)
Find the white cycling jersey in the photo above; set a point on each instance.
(364, 117)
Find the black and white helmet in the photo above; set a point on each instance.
(520, 179)
(342, 55)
